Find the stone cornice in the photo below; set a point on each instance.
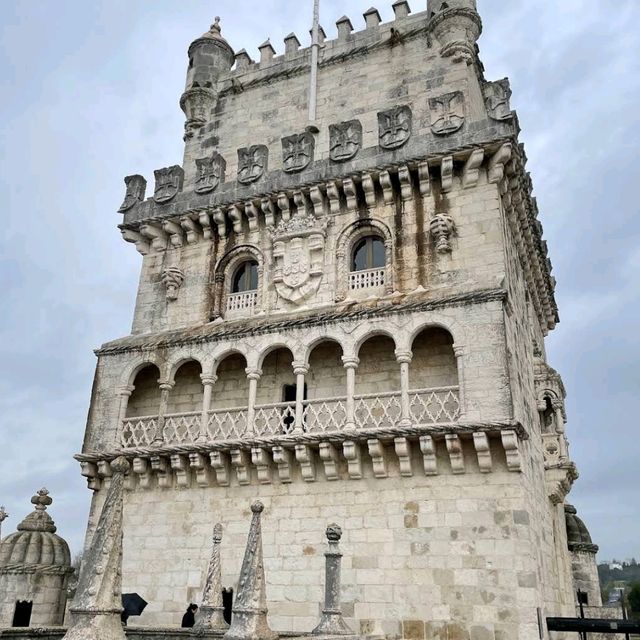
(233, 330)
(44, 569)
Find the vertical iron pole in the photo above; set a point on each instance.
(315, 47)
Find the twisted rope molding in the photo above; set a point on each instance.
(18, 568)
(290, 441)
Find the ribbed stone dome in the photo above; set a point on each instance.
(578, 536)
(35, 542)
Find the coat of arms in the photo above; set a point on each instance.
(169, 182)
(252, 163)
(447, 113)
(345, 140)
(297, 152)
(210, 173)
(136, 189)
(298, 253)
(497, 96)
(394, 127)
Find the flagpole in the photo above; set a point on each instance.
(315, 46)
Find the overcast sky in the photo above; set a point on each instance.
(90, 92)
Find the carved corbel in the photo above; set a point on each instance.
(406, 183)
(251, 211)
(387, 186)
(329, 457)
(483, 451)
(318, 201)
(429, 458)
(191, 228)
(285, 206)
(175, 233)
(142, 470)
(352, 453)
(200, 466)
(306, 459)
(498, 162)
(157, 236)
(105, 472)
(471, 171)
(262, 461)
(221, 223)
(369, 188)
(512, 450)
(220, 465)
(424, 179)
(442, 228)
(376, 451)
(269, 212)
(446, 171)
(456, 456)
(172, 278)
(403, 451)
(205, 222)
(300, 200)
(334, 198)
(283, 459)
(142, 246)
(89, 470)
(180, 464)
(160, 467)
(235, 215)
(240, 460)
(350, 193)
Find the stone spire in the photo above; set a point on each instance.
(39, 520)
(211, 615)
(249, 620)
(98, 603)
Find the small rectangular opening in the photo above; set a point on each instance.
(22, 613)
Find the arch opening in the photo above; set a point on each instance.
(186, 395)
(434, 362)
(145, 399)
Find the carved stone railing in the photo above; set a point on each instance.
(367, 279)
(326, 415)
(244, 301)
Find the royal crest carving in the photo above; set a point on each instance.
(297, 152)
(298, 253)
(210, 173)
(497, 96)
(136, 189)
(394, 127)
(169, 182)
(345, 140)
(447, 113)
(252, 163)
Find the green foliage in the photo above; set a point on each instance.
(633, 598)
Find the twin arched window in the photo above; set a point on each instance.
(245, 277)
(368, 253)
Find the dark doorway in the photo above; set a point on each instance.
(22, 614)
(227, 603)
(289, 395)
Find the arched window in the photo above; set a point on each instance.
(368, 253)
(245, 278)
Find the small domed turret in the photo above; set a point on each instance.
(578, 536)
(457, 27)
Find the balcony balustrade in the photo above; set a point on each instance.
(244, 301)
(328, 415)
(366, 279)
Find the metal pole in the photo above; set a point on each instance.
(315, 46)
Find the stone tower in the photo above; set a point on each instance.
(346, 320)
(35, 567)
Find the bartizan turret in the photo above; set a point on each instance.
(209, 57)
(456, 26)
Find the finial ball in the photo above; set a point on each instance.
(217, 533)
(257, 507)
(120, 465)
(334, 533)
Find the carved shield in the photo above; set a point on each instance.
(297, 152)
(394, 127)
(447, 113)
(169, 182)
(497, 96)
(210, 173)
(345, 140)
(296, 264)
(252, 163)
(136, 189)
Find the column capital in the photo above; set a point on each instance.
(253, 374)
(208, 380)
(403, 357)
(166, 385)
(350, 362)
(300, 368)
(458, 351)
(126, 391)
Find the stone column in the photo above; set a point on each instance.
(404, 359)
(249, 621)
(253, 375)
(560, 430)
(211, 615)
(125, 394)
(459, 354)
(331, 622)
(207, 382)
(300, 369)
(97, 605)
(165, 388)
(351, 364)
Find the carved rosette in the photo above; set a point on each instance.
(298, 253)
(345, 140)
(441, 228)
(209, 173)
(497, 96)
(172, 278)
(447, 113)
(197, 104)
(252, 163)
(297, 152)
(136, 189)
(394, 127)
